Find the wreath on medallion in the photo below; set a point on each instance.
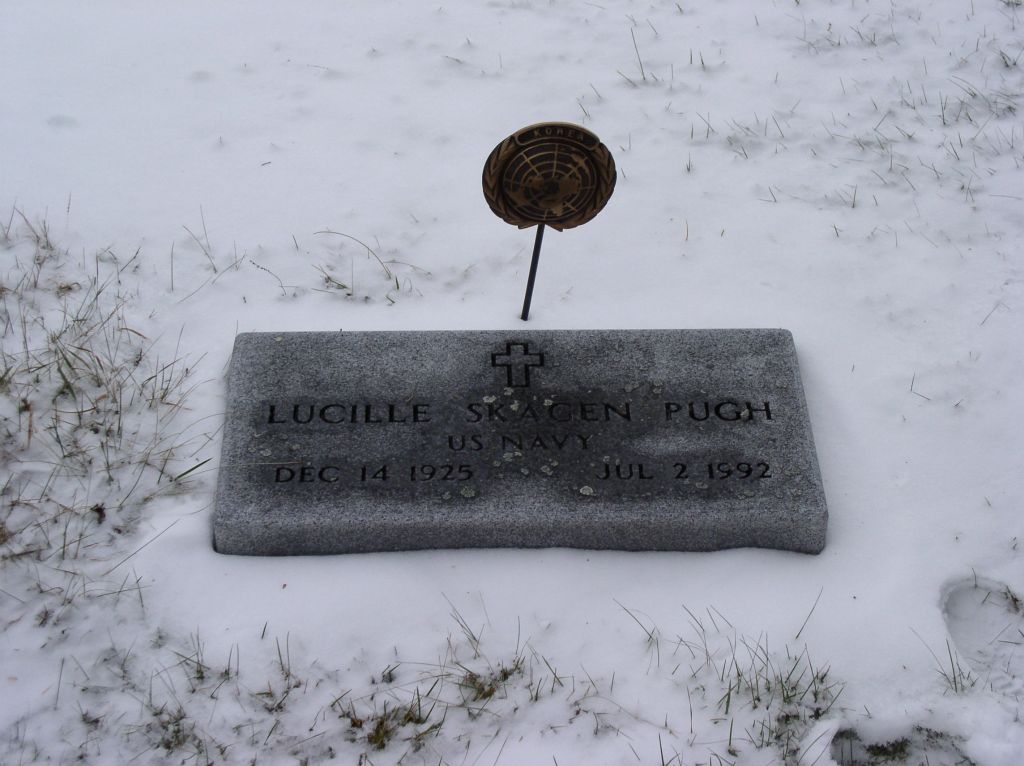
(552, 173)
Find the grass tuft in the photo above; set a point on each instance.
(87, 421)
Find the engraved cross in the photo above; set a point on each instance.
(517, 361)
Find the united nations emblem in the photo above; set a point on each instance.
(553, 173)
(550, 174)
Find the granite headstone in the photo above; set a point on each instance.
(686, 440)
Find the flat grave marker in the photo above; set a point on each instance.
(686, 440)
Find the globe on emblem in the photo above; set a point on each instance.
(553, 173)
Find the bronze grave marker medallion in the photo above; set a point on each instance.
(550, 174)
(553, 173)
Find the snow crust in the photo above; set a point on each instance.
(850, 171)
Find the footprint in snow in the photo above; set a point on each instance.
(62, 121)
(986, 621)
(920, 745)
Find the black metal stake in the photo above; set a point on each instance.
(533, 272)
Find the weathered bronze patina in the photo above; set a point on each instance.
(553, 173)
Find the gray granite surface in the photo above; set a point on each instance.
(689, 440)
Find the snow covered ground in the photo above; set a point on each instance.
(170, 175)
